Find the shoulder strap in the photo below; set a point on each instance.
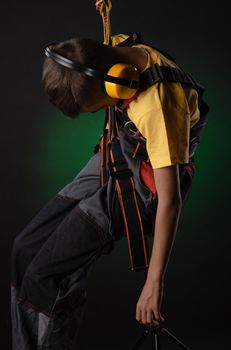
(157, 73)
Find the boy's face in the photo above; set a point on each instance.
(97, 100)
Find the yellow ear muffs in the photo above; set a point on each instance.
(122, 71)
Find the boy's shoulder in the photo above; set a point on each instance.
(154, 55)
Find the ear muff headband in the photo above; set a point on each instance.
(129, 81)
(49, 52)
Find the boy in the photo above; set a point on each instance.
(54, 253)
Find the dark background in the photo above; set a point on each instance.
(41, 150)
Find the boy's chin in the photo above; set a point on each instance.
(113, 102)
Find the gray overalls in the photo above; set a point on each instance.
(52, 256)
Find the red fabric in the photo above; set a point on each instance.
(147, 176)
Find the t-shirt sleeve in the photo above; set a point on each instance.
(162, 116)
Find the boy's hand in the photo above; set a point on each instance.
(149, 304)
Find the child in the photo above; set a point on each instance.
(53, 255)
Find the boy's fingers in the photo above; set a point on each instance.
(144, 317)
(138, 314)
(149, 316)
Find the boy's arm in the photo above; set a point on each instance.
(167, 216)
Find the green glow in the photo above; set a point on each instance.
(64, 147)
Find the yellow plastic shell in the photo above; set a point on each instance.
(123, 71)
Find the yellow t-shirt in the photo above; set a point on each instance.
(164, 114)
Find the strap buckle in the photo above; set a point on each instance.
(156, 73)
(122, 170)
(131, 130)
